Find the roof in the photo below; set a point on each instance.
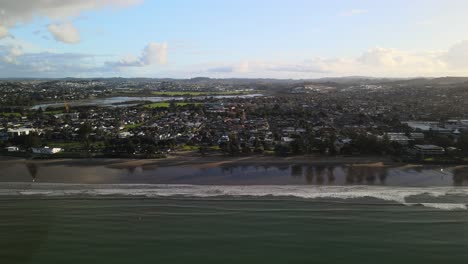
(428, 147)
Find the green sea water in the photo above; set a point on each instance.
(227, 230)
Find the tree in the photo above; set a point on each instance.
(233, 144)
(34, 141)
(282, 150)
(84, 132)
(463, 143)
(245, 149)
(297, 146)
(129, 147)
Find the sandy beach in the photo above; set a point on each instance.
(212, 161)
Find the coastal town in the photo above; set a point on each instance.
(422, 120)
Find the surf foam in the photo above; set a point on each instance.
(392, 194)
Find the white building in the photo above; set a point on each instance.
(13, 132)
(46, 150)
(12, 149)
(429, 150)
(400, 138)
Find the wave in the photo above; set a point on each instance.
(433, 197)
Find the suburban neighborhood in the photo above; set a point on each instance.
(154, 118)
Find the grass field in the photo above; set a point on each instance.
(197, 148)
(133, 126)
(10, 114)
(190, 148)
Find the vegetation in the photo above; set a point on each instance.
(190, 148)
(133, 126)
(13, 114)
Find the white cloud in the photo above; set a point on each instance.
(66, 33)
(53, 65)
(379, 62)
(3, 31)
(13, 53)
(153, 53)
(17, 12)
(16, 51)
(457, 55)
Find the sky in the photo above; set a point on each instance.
(293, 39)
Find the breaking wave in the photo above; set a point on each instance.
(444, 198)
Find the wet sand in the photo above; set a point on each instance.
(213, 161)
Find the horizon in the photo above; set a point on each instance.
(237, 78)
(300, 40)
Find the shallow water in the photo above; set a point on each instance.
(122, 100)
(89, 213)
(88, 173)
(248, 230)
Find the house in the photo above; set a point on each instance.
(125, 135)
(429, 150)
(417, 136)
(12, 149)
(13, 132)
(46, 150)
(400, 138)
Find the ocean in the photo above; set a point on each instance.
(129, 221)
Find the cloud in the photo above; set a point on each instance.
(16, 51)
(66, 33)
(379, 62)
(12, 53)
(457, 55)
(3, 31)
(354, 12)
(153, 53)
(242, 67)
(17, 12)
(52, 65)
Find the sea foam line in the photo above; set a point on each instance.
(386, 193)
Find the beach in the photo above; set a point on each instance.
(234, 210)
(221, 170)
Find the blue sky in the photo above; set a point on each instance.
(256, 38)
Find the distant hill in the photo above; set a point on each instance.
(342, 81)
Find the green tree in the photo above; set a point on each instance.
(33, 141)
(463, 143)
(84, 133)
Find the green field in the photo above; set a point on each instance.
(10, 114)
(197, 148)
(167, 104)
(53, 112)
(190, 148)
(133, 126)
